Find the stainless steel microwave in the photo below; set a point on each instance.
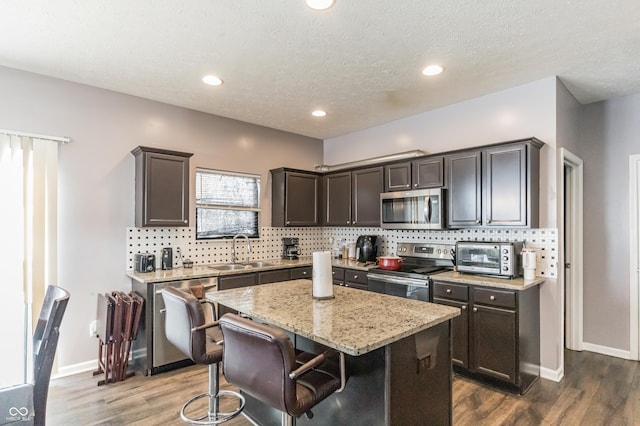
(489, 258)
(420, 209)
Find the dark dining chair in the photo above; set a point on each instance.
(187, 330)
(27, 403)
(262, 362)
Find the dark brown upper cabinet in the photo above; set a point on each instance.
(162, 187)
(417, 174)
(353, 198)
(295, 198)
(495, 186)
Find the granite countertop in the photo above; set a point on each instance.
(354, 321)
(205, 271)
(510, 284)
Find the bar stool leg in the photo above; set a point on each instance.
(214, 387)
(287, 420)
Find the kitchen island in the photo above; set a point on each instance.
(398, 351)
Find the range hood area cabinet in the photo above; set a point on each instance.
(494, 186)
(417, 174)
(295, 198)
(162, 187)
(352, 198)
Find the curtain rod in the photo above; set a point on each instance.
(36, 136)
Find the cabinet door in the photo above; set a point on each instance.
(505, 186)
(301, 199)
(337, 196)
(162, 188)
(397, 177)
(464, 189)
(494, 342)
(236, 281)
(459, 332)
(266, 277)
(301, 273)
(338, 275)
(367, 186)
(428, 173)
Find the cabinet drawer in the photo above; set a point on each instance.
(493, 297)
(354, 276)
(338, 274)
(450, 291)
(266, 277)
(301, 273)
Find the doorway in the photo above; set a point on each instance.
(634, 252)
(572, 266)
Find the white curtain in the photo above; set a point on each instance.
(28, 224)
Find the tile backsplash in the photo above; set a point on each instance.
(269, 245)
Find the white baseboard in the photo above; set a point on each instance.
(70, 370)
(605, 350)
(553, 375)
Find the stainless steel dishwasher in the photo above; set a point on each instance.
(164, 353)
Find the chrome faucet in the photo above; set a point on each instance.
(234, 258)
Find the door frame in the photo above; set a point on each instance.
(574, 289)
(634, 253)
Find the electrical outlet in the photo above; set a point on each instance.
(93, 328)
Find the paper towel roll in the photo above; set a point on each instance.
(529, 264)
(322, 277)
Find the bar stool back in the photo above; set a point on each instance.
(261, 361)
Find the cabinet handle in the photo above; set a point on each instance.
(415, 185)
(304, 272)
(333, 272)
(355, 277)
(348, 223)
(463, 307)
(475, 309)
(346, 285)
(408, 186)
(492, 297)
(449, 290)
(288, 222)
(489, 221)
(478, 221)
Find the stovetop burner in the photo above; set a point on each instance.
(420, 260)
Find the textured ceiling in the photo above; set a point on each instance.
(361, 60)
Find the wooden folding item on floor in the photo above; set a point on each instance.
(118, 319)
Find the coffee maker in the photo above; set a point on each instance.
(291, 251)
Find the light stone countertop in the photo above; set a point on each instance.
(479, 280)
(205, 271)
(354, 321)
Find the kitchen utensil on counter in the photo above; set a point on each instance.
(529, 263)
(144, 262)
(366, 248)
(167, 258)
(351, 247)
(391, 263)
(290, 250)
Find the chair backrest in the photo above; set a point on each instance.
(258, 359)
(183, 312)
(45, 342)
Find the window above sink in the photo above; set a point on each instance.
(227, 204)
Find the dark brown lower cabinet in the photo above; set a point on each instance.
(354, 278)
(496, 339)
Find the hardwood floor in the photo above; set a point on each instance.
(596, 390)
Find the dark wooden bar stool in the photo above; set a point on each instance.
(186, 329)
(261, 361)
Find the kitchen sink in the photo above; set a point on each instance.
(239, 266)
(260, 264)
(230, 267)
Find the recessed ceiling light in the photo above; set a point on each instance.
(320, 4)
(432, 70)
(318, 113)
(212, 80)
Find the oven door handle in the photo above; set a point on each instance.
(398, 280)
(427, 209)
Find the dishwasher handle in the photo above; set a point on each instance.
(398, 280)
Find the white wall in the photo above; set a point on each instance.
(610, 133)
(520, 112)
(96, 183)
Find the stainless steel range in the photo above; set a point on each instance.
(413, 280)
